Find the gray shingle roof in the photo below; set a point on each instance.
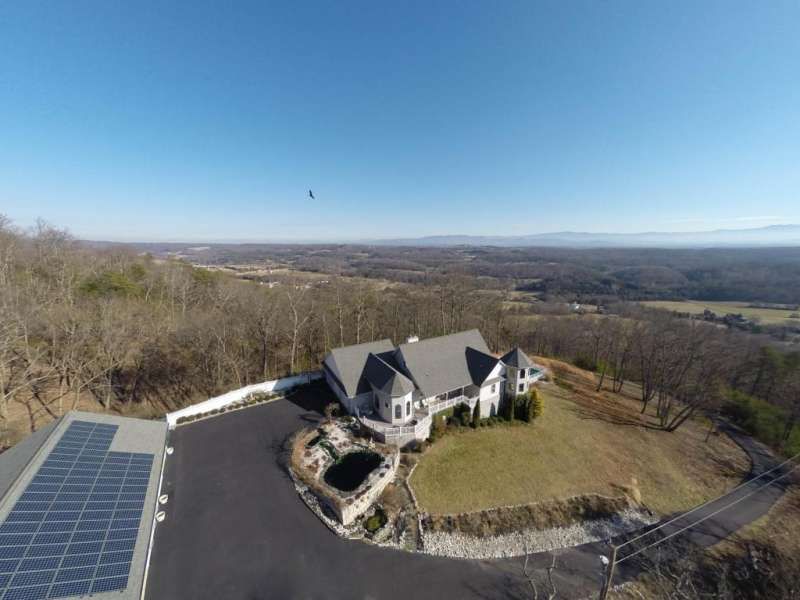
(347, 364)
(518, 359)
(383, 377)
(439, 365)
(480, 365)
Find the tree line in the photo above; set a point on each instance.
(125, 328)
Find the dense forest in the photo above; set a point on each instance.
(126, 328)
(744, 274)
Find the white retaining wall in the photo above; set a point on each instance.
(276, 385)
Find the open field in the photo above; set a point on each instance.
(584, 443)
(767, 316)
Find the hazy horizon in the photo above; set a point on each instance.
(761, 236)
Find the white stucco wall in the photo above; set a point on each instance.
(276, 385)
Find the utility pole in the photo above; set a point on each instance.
(612, 565)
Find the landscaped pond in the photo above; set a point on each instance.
(350, 471)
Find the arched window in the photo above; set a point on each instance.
(398, 411)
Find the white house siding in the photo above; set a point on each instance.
(490, 402)
(387, 406)
(362, 401)
(514, 378)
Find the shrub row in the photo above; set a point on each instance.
(249, 400)
(526, 408)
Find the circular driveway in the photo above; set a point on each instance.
(237, 530)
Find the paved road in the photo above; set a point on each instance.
(236, 530)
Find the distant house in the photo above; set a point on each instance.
(395, 390)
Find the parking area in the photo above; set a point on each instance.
(236, 529)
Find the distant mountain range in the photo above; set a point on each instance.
(772, 235)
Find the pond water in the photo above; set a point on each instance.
(350, 471)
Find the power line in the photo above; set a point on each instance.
(614, 561)
(698, 521)
(696, 508)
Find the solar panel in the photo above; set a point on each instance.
(73, 529)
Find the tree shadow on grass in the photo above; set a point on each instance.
(614, 418)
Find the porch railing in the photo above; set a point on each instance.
(393, 431)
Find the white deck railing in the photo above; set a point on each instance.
(394, 431)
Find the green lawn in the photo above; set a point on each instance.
(573, 450)
(767, 316)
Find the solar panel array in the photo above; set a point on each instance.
(73, 530)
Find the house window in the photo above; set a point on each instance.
(398, 411)
(494, 387)
(522, 373)
(521, 387)
(386, 404)
(408, 408)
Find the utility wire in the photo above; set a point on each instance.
(696, 508)
(716, 512)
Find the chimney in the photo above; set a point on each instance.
(411, 339)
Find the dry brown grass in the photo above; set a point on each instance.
(25, 414)
(585, 443)
(542, 515)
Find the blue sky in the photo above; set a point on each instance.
(210, 121)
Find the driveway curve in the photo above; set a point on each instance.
(236, 529)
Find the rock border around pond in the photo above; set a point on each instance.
(314, 451)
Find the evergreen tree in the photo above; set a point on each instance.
(476, 414)
(464, 414)
(438, 427)
(510, 407)
(536, 404)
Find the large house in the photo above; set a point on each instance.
(395, 390)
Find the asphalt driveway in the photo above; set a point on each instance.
(236, 530)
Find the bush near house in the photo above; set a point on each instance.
(438, 427)
(508, 407)
(536, 404)
(463, 414)
(476, 415)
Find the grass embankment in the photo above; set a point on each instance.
(585, 443)
(767, 316)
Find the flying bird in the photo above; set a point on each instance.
(311, 195)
